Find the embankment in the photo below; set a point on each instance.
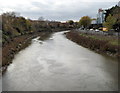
(107, 45)
(15, 45)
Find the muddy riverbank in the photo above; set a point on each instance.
(100, 44)
(16, 45)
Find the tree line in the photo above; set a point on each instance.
(112, 19)
(13, 25)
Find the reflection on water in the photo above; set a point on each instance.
(59, 64)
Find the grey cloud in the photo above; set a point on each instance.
(63, 12)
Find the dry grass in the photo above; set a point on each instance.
(104, 44)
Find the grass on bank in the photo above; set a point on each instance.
(104, 44)
(113, 40)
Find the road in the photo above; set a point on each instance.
(58, 64)
(98, 32)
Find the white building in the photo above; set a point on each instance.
(119, 3)
(100, 16)
(93, 22)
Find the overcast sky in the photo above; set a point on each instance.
(59, 10)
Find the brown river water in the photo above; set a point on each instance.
(58, 64)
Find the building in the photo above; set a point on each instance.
(93, 22)
(119, 3)
(100, 16)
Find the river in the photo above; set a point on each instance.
(58, 64)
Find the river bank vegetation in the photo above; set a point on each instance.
(103, 44)
(17, 44)
(17, 33)
(14, 26)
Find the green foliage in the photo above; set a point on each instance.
(110, 21)
(71, 22)
(85, 21)
(115, 12)
(13, 26)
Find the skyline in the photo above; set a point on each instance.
(62, 10)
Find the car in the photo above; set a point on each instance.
(96, 30)
(91, 29)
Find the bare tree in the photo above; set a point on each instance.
(41, 18)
